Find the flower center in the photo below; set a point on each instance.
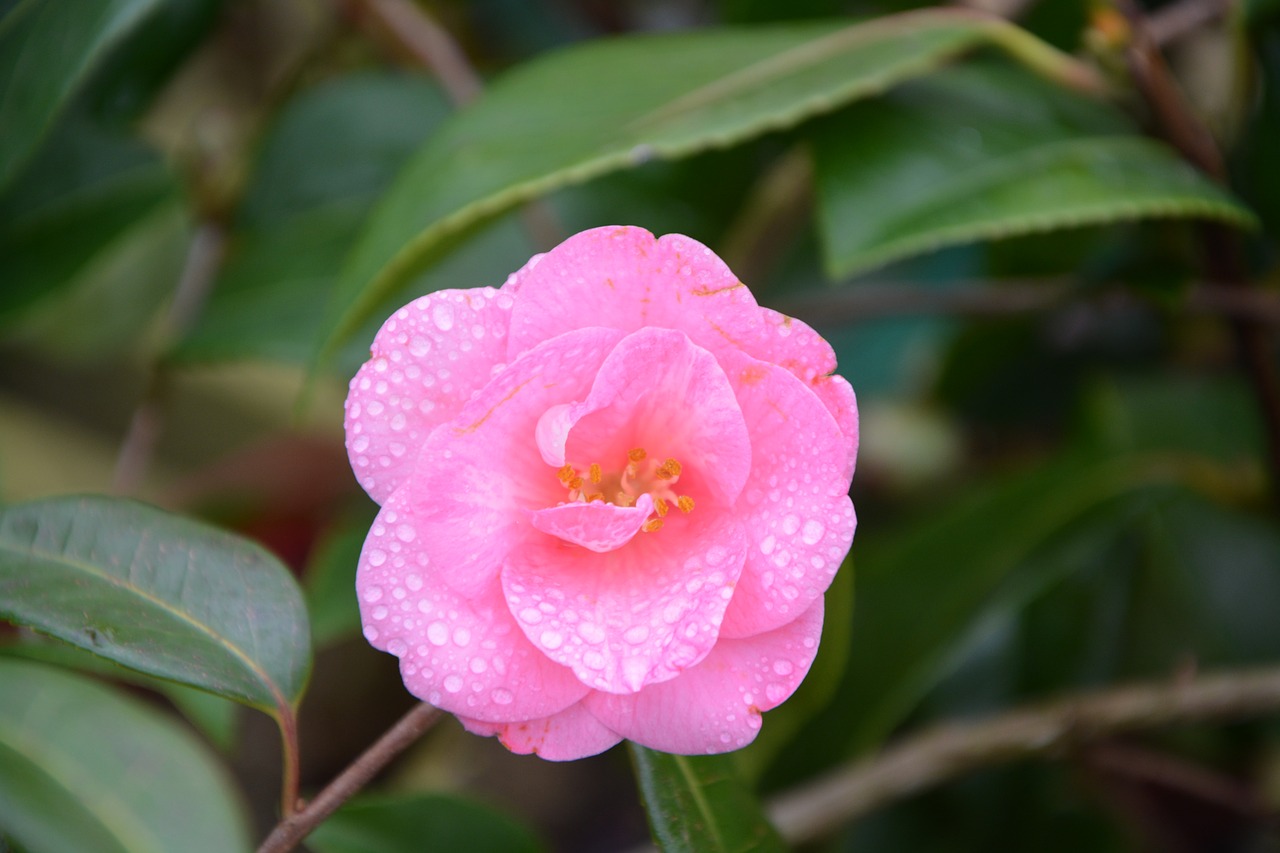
(621, 487)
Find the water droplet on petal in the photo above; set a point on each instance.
(438, 633)
(453, 683)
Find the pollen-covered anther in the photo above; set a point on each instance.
(575, 483)
(636, 454)
(566, 474)
(594, 496)
(660, 507)
(593, 473)
(652, 525)
(669, 470)
(685, 503)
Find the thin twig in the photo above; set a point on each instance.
(1137, 764)
(204, 257)
(417, 34)
(290, 831)
(1224, 262)
(1172, 23)
(928, 759)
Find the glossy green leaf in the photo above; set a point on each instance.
(214, 716)
(610, 105)
(95, 220)
(84, 769)
(414, 822)
(159, 593)
(700, 804)
(48, 49)
(989, 151)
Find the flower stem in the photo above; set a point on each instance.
(297, 825)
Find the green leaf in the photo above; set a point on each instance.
(214, 716)
(989, 151)
(331, 154)
(155, 592)
(415, 822)
(700, 804)
(48, 49)
(331, 582)
(82, 768)
(92, 206)
(610, 105)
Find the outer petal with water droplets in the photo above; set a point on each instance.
(796, 507)
(428, 360)
(634, 616)
(465, 656)
(571, 734)
(716, 705)
(596, 526)
(469, 499)
(624, 278)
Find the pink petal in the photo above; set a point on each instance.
(659, 391)
(571, 734)
(634, 616)
(716, 705)
(623, 278)
(467, 657)
(796, 507)
(837, 395)
(481, 474)
(597, 526)
(428, 359)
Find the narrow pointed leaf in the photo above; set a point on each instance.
(614, 104)
(155, 592)
(989, 151)
(83, 768)
(48, 49)
(700, 804)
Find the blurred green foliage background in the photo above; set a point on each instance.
(1059, 326)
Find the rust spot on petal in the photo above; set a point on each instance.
(712, 291)
(475, 426)
(753, 374)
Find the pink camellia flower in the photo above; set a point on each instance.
(613, 493)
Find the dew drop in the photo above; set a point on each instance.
(438, 633)
(377, 557)
(812, 532)
(406, 533)
(552, 640)
(453, 683)
(783, 667)
(372, 594)
(636, 634)
(790, 525)
(775, 692)
(414, 582)
(461, 637)
(501, 696)
(442, 314)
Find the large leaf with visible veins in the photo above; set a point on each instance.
(159, 593)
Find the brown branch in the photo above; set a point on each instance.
(933, 757)
(290, 831)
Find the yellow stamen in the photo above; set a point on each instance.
(669, 470)
(594, 473)
(575, 483)
(651, 525)
(566, 474)
(594, 496)
(685, 503)
(660, 507)
(636, 454)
